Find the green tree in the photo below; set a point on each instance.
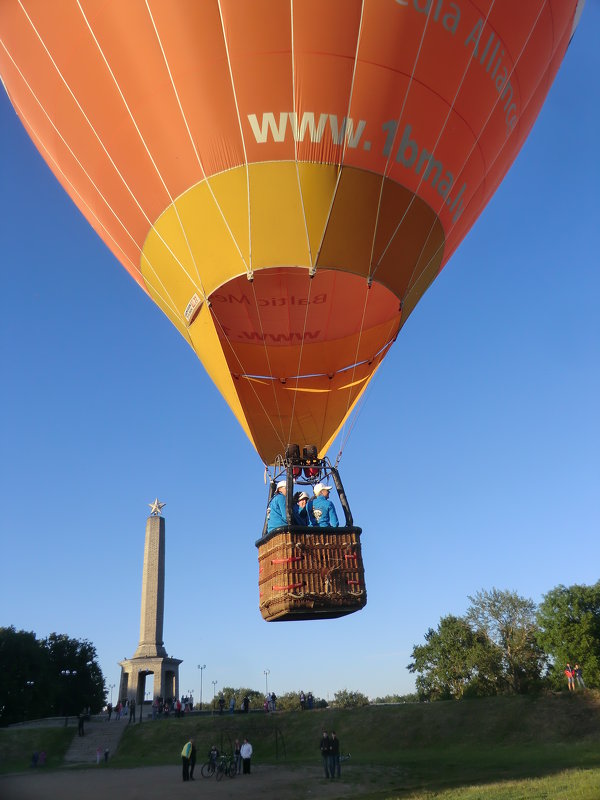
(23, 683)
(454, 661)
(289, 701)
(569, 631)
(396, 699)
(348, 699)
(74, 674)
(41, 678)
(509, 622)
(257, 699)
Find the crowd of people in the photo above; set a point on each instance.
(124, 708)
(161, 707)
(166, 708)
(329, 745)
(242, 758)
(318, 511)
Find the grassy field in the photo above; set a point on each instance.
(501, 748)
(17, 745)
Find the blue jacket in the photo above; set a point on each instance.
(322, 513)
(276, 516)
(301, 515)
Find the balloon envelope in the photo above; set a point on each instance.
(285, 180)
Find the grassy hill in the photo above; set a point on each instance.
(422, 747)
(379, 734)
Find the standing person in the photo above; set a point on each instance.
(192, 759)
(577, 675)
(221, 704)
(131, 711)
(325, 748)
(109, 711)
(334, 756)
(185, 760)
(246, 704)
(246, 754)
(276, 513)
(80, 720)
(237, 757)
(232, 704)
(570, 678)
(273, 701)
(300, 512)
(321, 510)
(118, 711)
(302, 701)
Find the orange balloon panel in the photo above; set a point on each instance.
(284, 179)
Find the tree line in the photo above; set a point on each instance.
(47, 677)
(506, 644)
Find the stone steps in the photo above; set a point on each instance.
(98, 733)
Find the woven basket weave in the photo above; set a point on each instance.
(310, 573)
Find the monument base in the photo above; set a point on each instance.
(135, 670)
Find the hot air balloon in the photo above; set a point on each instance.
(285, 180)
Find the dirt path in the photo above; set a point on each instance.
(158, 783)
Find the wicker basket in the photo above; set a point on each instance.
(310, 573)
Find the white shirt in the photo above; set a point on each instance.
(246, 750)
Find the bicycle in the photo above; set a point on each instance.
(226, 766)
(208, 769)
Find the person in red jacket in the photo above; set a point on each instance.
(570, 678)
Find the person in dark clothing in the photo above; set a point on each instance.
(334, 756)
(80, 720)
(185, 760)
(192, 759)
(213, 754)
(325, 748)
(578, 676)
(300, 511)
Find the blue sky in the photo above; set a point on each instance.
(473, 464)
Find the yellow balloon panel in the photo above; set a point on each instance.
(357, 138)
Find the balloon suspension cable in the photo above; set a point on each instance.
(356, 414)
(356, 355)
(243, 372)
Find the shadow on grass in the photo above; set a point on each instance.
(18, 745)
(434, 771)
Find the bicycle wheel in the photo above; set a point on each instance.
(220, 771)
(232, 770)
(207, 770)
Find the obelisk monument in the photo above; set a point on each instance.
(151, 656)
